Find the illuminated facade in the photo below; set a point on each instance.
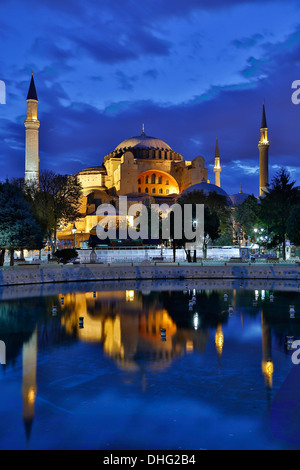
(142, 168)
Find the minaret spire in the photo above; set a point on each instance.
(263, 146)
(32, 125)
(217, 167)
(32, 95)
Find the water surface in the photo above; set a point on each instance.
(222, 378)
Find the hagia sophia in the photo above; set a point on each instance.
(142, 168)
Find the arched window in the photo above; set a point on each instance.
(153, 190)
(153, 179)
(167, 191)
(139, 181)
(146, 190)
(147, 179)
(160, 180)
(160, 191)
(167, 182)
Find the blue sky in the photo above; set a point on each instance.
(190, 71)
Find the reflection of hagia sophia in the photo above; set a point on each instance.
(129, 329)
(142, 168)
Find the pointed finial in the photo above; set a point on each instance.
(241, 188)
(217, 153)
(143, 130)
(263, 117)
(32, 91)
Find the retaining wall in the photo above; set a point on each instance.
(33, 274)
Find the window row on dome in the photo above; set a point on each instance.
(155, 154)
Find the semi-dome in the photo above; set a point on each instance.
(143, 141)
(238, 198)
(207, 188)
(92, 170)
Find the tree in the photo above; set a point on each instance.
(276, 206)
(55, 203)
(66, 255)
(19, 229)
(293, 225)
(246, 215)
(213, 207)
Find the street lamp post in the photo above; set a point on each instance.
(74, 230)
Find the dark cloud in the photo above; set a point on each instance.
(152, 73)
(126, 82)
(147, 10)
(42, 47)
(245, 43)
(112, 49)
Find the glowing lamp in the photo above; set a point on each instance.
(129, 295)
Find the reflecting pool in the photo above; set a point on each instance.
(88, 366)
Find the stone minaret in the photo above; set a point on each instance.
(32, 125)
(263, 146)
(217, 167)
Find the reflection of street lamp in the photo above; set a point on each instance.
(74, 230)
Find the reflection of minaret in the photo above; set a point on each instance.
(32, 125)
(217, 167)
(219, 341)
(267, 363)
(29, 382)
(263, 146)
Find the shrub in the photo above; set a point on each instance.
(65, 256)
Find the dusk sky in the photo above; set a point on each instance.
(189, 70)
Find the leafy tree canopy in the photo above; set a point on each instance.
(19, 228)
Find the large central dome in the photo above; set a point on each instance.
(144, 147)
(143, 141)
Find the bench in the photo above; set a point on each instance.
(235, 260)
(272, 260)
